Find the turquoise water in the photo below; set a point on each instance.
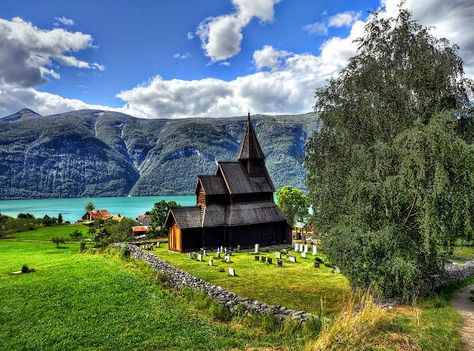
(73, 209)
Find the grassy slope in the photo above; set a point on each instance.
(85, 301)
(297, 286)
(47, 233)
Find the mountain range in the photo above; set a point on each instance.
(102, 153)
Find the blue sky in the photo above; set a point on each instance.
(155, 52)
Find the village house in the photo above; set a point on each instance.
(95, 215)
(143, 219)
(234, 207)
(140, 231)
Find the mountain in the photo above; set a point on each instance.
(102, 153)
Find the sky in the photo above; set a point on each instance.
(186, 58)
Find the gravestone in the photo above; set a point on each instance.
(203, 253)
(199, 257)
(269, 260)
(232, 271)
(257, 258)
(264, 259)
(256, 248)
(297, 247)
(225, 250)
(279, 263)
(218, 254)
(278, 255)
(301, 248)
(189, 254)
(315, 250)
(303, 254)
(316, 264)
(238, 247)
(222, 248)
(337, 270)
(292, 259)
(158, 243)
(211, 262)
(305, 248)
(227, 258)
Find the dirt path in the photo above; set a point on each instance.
(465, 307)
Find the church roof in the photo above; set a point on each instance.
(238, 181)
(231, 215)
(213, 184)
(250, 147)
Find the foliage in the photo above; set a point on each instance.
(77, 234)
(89, 206)
(58, 240)
(47, 233)
(60, 218)
(158, 216)
(294, 204)
(114, 232)
(391, 174)
(26, 269)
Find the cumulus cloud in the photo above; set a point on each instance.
(221, 36)
(64, 21)
(344, 19)
(27, 53)
(268, 57)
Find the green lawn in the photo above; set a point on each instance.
(47, 233)
(295, 285)
(97, 301)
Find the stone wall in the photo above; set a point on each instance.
(180, 279)
(454, 272)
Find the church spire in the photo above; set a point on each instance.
(250, 148)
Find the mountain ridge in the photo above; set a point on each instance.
(104, 153)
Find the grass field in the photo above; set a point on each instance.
(47, 233)
(295, 285)
(86, 301)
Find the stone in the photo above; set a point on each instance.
(232, 271)
(292, 259)
(269, 260)
(316, 264)
(211, 262)
(203, 253)
(279, 263)
(227, 258)
(301, 248)
(199, 257)
(337, 270)
(263, 259)
(303, 254)
(305, 250)
(315, 250)
(158, 243)
(256, 248)
(238, 247)
(218, 254)
(257, 258)
(297, 247)
(278, 255)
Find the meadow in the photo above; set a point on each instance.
(96, 300)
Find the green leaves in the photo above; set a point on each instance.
(293, 203)
(391, 172)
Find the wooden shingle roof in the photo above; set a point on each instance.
(213, 185)
(238, 181)
(186, 216)
(250, 147)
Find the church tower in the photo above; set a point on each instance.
(251, 156)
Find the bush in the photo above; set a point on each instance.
(77, 234)
(312, 326)
(57, 240)
(26, 269)
(82, 246)
(125, 253)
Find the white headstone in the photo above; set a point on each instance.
(315, 250)
(238, 247)
(199, 257)
(303, 254)
(227, 258)
(225, 250)
(211, 262)
(305, 248)
(232, 271)
(278, 254)
(301, 248)
(297, 247)
(292, 259)
(203, 253)
(158, 244)
(256, 248)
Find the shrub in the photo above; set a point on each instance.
(57, 240)
(291, 326)
(77, 234)
(26, 269)
(312, 326)
(82, 246)
(163, 279)
(125, 252)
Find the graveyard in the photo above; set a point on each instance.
(262, 276)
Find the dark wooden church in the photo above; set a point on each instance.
(234, 207)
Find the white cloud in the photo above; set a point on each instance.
(225, 63)
(344, 19)
(316, 28)
(64, 21)
(221, 36)
(268, 57)
(28, 54)
(184, 56)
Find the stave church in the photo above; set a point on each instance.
(233, 207)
